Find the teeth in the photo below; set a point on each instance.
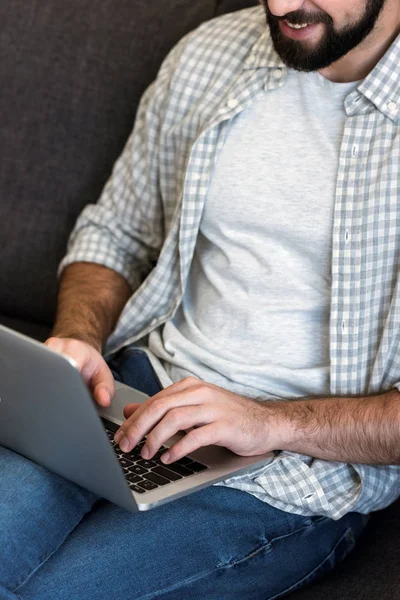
(295, 26)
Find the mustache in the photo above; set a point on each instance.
(298, 17)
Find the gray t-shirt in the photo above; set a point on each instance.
(255, 314)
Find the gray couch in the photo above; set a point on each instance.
(71, 75)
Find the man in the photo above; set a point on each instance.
(247, 244)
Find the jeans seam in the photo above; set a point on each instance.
(305, 577)
(43, 560)
(198, 577)
(265, 545)
(268, 543)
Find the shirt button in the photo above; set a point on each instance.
(232, 103)
(392, 107)
(278, 73)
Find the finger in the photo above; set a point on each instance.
(91, 365)
(129, 409)
(195, 439)
(102, 384)
(102, 395)
(187, 383)
(146, 417)
(179, 386)
(175, 420)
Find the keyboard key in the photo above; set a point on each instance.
(148, 464)
(137, 469)
(132, 455)
(156, 478)
(148, 485)
(164, 472)
(184, 471)
(124, 462)
(197, 467)
(133, 478)
(136, 488)
(184, 461)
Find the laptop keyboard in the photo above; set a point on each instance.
(145, 475)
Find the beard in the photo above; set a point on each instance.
(333, 44)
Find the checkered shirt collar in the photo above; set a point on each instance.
(381, 87)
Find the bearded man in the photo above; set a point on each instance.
(246, 246)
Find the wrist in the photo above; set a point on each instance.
(88, 337)
(279, 428)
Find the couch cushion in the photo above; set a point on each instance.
(71, 75)
(38, 331)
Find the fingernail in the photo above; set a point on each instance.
(165, 457)
(118, 436)
(145, 452)
(124, 444)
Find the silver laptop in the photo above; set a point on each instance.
(47, 414)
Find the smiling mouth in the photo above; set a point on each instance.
(298, 31)
(296, 26)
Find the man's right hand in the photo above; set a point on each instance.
(91, 364)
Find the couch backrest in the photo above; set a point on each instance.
(71, 75)
(224, 6)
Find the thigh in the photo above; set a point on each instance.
(38, 509)
(217, 543)
(132, 366)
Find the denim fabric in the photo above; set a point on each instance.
(60, 542)
(132, 366)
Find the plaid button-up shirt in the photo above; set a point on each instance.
(147, 220)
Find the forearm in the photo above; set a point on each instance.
(90, 300)
(357, 430)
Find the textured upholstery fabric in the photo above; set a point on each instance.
(224, 6)
(38, 331)
(71, 76)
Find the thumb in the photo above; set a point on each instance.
(101, 383)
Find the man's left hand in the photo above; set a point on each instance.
(208, 414)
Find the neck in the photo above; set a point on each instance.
(360, 61)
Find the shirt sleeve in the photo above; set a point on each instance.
(306, 486)
(125, 229)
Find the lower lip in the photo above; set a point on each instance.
(297, 34)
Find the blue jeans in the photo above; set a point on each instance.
(61, 542)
